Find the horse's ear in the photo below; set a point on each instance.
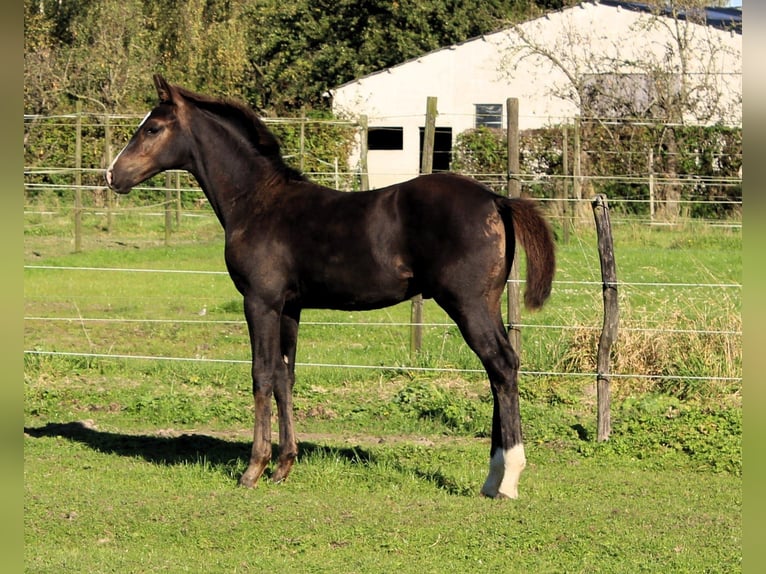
(163, 89)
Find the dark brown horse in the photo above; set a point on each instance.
(292, 244)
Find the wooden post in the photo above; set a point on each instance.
(107, 162)
(565, 187)
(576, 173)
(168, 206)
(302, 163)
(78, 178)
(514, 190)
(426, 167)
(611, 313)
(427, 161)
(365, 176)
(178, 199)
(651, 184)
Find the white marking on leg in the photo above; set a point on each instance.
(495, 476)
(504, 471)
(286, 359)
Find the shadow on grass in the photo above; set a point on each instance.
(185, 448)
(230, 456)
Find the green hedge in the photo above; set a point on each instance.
(702, 163)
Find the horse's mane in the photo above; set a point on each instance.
(246, 122)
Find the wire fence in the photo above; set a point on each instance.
(733, 291)
(182, 214)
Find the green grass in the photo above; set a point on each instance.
(131, 465)
(152, 504)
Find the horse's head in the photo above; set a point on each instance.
(155, 146)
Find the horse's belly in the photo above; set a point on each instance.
(356, 291)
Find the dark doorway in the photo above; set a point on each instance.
(442, 148)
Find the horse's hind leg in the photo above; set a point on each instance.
(488, 338)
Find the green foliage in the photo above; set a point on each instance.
(187, 409)
(459, 414)
(314, 144)
(481, 152)
(282, 56)
(701, 159)
(653, 427)
(302, 49)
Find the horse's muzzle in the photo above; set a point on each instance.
(110, 182)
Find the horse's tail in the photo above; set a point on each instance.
(522, 217)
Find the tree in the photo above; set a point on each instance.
(95, 51)
(299, 50)
(282, 56)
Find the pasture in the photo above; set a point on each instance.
(131, 463)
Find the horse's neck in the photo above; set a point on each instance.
(230, 177)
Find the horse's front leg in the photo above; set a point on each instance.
(283, 392)
(263, 327)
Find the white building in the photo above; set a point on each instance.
(538, 62)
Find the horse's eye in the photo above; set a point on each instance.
(152, 130)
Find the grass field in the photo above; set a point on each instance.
(131, 464)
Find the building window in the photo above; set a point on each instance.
(621, 96)
(489, 115)
(385, 138)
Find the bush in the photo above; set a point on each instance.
(459, 414)
(700, 163)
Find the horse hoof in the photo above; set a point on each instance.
(496, 496)
(281, 473)
(248, 481)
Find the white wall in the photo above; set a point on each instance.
(586, 39)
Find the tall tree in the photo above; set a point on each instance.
(301, 49)
(278, 55)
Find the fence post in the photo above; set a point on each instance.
(78, 178)
(514, 190)
(427, 163)
(611, 313)
(108, 162)
(565, 207)
(178, 199)
(651, 183)
(301, 158)
(576, 173)
(365, 176)
(168, 207)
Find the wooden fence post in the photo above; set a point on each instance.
(426, 167)
(611, 313)
(576, 173)
(108, 162)
(301, 157)
(565, 207)
(514, 190)
(78, 178)
(365, 176)
(650, 168)
(168, 206)
(178, 198)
